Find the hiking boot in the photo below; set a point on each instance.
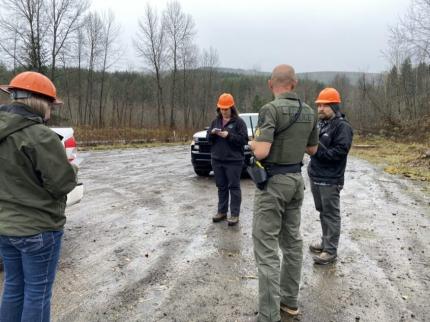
(219, 217)
(324, 258)
(293, 311)
(253, 319)
(316, 247)
(233, 220)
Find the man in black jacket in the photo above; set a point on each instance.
(326, 172)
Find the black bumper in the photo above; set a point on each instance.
(202, 160)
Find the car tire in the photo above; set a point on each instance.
(202, 173)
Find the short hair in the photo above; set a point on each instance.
(283, 75)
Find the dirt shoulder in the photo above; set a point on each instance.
(410, 159)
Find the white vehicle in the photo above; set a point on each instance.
(201, 148)
(69, 142)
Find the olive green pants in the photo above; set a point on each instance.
(276, 224)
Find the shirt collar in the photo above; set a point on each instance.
(288, 96)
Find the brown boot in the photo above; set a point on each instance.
(324, 258)
(293, 311)
(316, 247)
(219, 217)
(233, 220)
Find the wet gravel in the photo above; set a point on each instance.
(141, 247)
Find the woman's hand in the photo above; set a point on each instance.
(223, 134)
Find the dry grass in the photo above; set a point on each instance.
(102, 147)
(133, 137)
(409, 159)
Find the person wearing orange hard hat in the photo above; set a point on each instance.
(228, 135)
(35, 179)
(326, 171)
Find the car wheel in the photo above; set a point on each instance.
(202, 173)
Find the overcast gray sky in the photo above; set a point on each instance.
(311, 35)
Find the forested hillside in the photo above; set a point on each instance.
(78, 49)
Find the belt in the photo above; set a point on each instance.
(274, 169)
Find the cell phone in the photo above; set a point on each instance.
(217, 130)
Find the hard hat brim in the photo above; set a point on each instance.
(224, 107)
(6, 89)
(326, 102)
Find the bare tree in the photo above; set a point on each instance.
(209, 61)
(179, 31)
(64, 16)
(411, 36)
(94, 38)
(110, 54)
(150, 45)
(188, 59)
(23, 27)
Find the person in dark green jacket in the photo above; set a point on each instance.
(35, 178)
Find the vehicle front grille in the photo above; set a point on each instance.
(204, 147)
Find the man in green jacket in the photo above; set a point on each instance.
(35, 178)
(287, 128)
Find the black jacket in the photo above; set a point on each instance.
(232, 147)
(329, 163)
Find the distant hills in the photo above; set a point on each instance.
(328, 77)
(324, 77)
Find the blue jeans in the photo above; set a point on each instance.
(29, 266)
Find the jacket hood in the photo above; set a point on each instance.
(14, 118)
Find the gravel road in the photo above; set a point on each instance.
(141, 247)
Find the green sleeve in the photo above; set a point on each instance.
(50, 160)
(266, 124)
(314, 136)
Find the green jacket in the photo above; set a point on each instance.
(288, 147)
(35, 175)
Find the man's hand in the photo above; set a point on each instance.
(311, 150)
(261, 149)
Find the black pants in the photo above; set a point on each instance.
(327, 202)
(227, 178)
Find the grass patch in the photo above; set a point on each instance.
(411, 160)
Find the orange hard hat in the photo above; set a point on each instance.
(33, 82)
(225, 101)
(328, 95)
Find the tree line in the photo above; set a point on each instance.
(179, 86)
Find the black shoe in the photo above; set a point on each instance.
(316, 247)
(219, 217)
(233, 220)
(324, 258)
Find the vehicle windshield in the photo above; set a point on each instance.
(250, 119)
